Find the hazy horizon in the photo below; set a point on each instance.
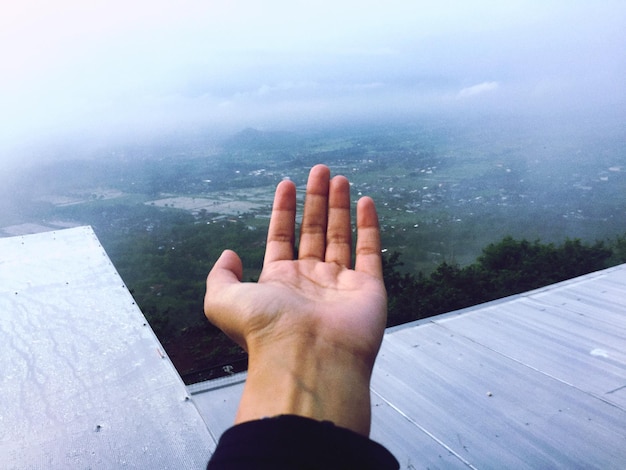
(107, 71)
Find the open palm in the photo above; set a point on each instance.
(316, 304)
(318, 292)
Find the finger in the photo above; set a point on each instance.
(221, 285)
(281, 232)
(339, 231)
(315, 218)
(228, 269)
(368, 256)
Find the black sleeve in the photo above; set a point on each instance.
(294, 442)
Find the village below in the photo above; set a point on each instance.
(454, 200)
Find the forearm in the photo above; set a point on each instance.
(313, 379)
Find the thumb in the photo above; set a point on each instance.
(221, 285)
(228, 269)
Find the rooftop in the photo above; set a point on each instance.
(536, 380)
(85, 382)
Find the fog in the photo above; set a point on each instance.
(109, 70)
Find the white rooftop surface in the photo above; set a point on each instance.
(84, 383)
(536, 380)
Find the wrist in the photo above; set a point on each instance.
(310, 378)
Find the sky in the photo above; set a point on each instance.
(112, 68)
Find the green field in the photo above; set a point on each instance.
(443, 194)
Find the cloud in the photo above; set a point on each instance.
(369, 86)
(286, 86)
(481, 88)
(76, 67)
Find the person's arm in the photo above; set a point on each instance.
(312, 326)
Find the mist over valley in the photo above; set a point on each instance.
(166, 127)
(443, 189)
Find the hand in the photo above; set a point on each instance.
(312, 327)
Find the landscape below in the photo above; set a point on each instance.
(469, 213)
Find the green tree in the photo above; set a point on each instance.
(504, 268)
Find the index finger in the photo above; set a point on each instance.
(281, 232)
(368, 254)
